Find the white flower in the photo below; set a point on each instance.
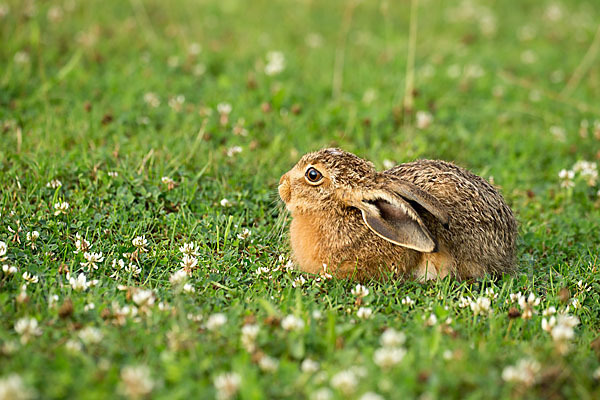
(528, 305)
(345, 382)
(133, 269)
(140, 242)
(387, 357)
(322, 394)
(407, 301)
(92, 260)
(309, 366)
(73, 346)
(143, 297)
(360, 291)
(113, 174)
(89, 306)
(388, 164)
(262, 271)
(566, 178)
(549, 311)
(431, 320)
(61, 207)
(27, 328)
(275, 63)
(299, 281)
(232, 151)
(215, 321)
(79, 284)
(178, 277)
(194, 49)
(227, 385)
(224, 108)
(563, 331)
(392, 338)
(152, 99)
(489, 292)
(3, 248)
(245, 234)
(136, 381)
(9, 269)
(225, 203)
(168, 181)
(317, 314)
(81, 244)
(176, 102)
(371, 396)
(13, 388)
(188, 263)
(30, 278)
(189, 288)
(424, 119)
(268, 364)
(464, 302)
(364, 313)
(481, 306)
(90, 335)
(248, 338)
(32, 236)
(292, 323)
(54, 184)
(524, 372)
(189, 249)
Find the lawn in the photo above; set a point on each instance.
(140, 139)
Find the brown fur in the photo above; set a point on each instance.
(328, 228)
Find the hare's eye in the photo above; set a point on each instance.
(313, 176)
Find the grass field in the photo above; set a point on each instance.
(130, 128)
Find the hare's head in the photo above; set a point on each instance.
(332, 181)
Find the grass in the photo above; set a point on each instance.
(88, 88)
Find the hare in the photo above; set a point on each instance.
(425, 219)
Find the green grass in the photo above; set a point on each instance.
(72, 107)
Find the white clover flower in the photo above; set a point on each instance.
(178, 277)
(275, 63)
(317, 314)
(464, 302)
(80, 284)
(549, 311)
(136, 381)
(245, 234)
(309, 366)
(143, 297)
(113, 174)
(407, 301)
(9, 269)
(215, 321)
(90, 335)
(27, 328)
(431, 320)
(189, 288)
(249, 335)
(528, 305)
(92, 260)
(392, 338)
(345, 382)
(188, 263)
(387, 357)
(189, 249)
(491, 293)
(3, 249)
(133, 269)
(524, 372)
(371, 396)
(423, 119)
(73, 345)
(322, 394)
(226, 203)
(54, 184)
(262, 271)
(360, 291)
(388, 164)
(364, 313)
(299, 281)
(224, 108)
(566, 178)
(563, 331)
(33, 236)
(81, 245)
(292, 323)
(89, 306)
(30, 278)
(232, 151)
(176, 102)
(61, 207)
(548, 324)
(268, 364)
(140, 242)
(169, 182)
(12, 387)
(152, 99)
(227, 385)
(481, 306)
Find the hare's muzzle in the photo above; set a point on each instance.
(284, 189)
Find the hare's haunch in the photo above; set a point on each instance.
(426, 218)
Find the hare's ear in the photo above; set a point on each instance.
(393, 219)
(413, 194)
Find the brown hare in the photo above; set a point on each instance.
(424, 219)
